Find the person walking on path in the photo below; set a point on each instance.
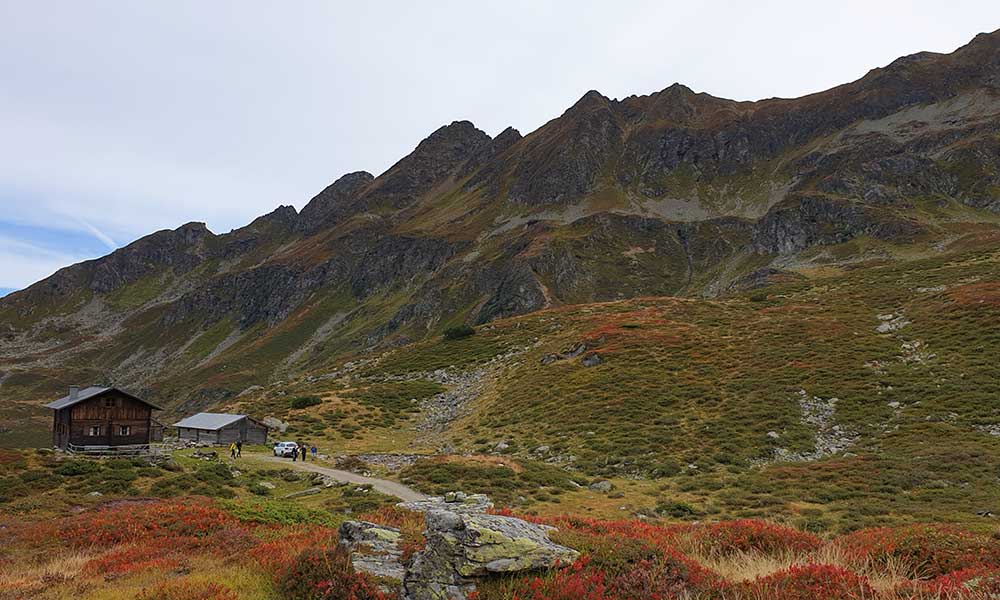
(295, 454)
(239, 448)
(313, 452)
(303, 449)
(232, 451)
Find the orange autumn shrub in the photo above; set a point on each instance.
(972, 583)
(326, 574)
(660, 536)
(282, 545)
(667, 578)
(750, 536)
(810, 582)
(927, 550)
(117, 524)
(126, 559)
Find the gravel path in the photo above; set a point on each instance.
(385, 486)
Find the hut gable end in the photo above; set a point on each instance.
(101, 417)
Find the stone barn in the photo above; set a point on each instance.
(101, 418)
(222, 429)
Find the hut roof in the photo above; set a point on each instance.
(208, 421)
(91, 392)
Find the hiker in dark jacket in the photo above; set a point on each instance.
(302, 448)
(239, 448)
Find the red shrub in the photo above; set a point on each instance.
(114, 525)
(975, 582)
(575, 583)
(929, 550)
(275, 554)
(811, 582)
(613, 554)
(670, 576)
(731, 537)
(127, 559)
(666, 578)
(326, 575)
(662, 537)
(184, 589)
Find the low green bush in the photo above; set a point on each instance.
(305, 402)
(275, 512)
(458, 332)
(73, 468)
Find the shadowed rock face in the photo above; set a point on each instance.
(375, 549)
(676, 192)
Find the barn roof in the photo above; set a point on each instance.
(90, 392)
(208, 421)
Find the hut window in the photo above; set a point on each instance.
(95, 430)
(124, 430)
(109, 402)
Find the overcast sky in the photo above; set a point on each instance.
(121, 118)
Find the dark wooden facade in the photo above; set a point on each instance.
(106, 418)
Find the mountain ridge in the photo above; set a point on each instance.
(672, 193)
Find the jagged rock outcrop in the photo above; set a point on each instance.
(375, 549)
(463, 544)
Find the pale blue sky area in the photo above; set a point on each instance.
(121, 118)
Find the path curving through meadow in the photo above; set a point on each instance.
(391, 488)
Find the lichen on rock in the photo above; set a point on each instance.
(464, 543)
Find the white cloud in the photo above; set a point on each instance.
(100, 235)
(25, 263)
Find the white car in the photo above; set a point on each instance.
(285, 449)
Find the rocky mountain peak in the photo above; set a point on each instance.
(193, 232)
(487, 152)
(459, 134)
(284, 215)
(349, 183)
(592, 100)
(507, 136)
(436, 157)
(333, 199)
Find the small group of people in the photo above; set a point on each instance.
(303, 452)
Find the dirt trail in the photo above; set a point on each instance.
(385, 486)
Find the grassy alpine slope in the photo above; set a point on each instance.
(865, 394)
